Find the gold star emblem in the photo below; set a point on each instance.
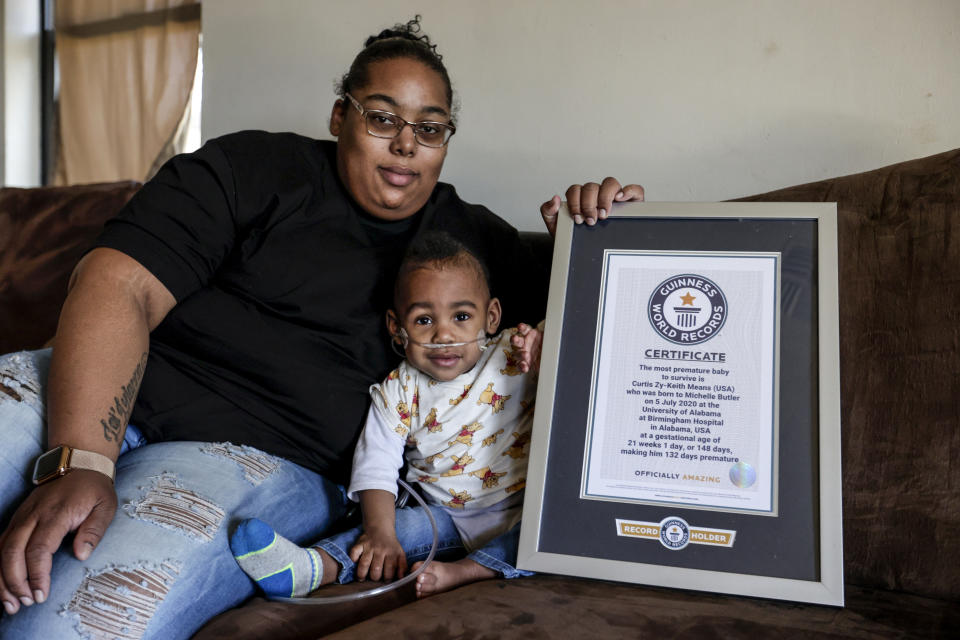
(688, 299)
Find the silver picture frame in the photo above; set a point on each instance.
(792, 553)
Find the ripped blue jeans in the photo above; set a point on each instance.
(415, 535)
(164, 566)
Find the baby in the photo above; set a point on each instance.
(459, 411)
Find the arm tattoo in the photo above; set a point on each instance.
(119, 413)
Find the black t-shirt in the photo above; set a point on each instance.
(282, 283)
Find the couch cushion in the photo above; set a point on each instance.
(260, 618)
(43, 234)
(552, 607)
(899, 264)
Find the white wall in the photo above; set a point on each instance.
(20, 76)
(696, 99)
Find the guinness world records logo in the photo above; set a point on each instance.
(687, 309)
(674, 533)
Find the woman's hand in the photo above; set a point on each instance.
(82, 501)
(378, 554)
(590, 202)
(527, 343)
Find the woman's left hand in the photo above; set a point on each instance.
(590, 202)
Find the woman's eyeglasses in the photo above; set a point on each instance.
(383, 124)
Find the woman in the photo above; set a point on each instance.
(242, 293)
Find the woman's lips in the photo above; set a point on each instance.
(398, 176)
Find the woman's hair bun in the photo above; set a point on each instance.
(408, 31)
(400, 41)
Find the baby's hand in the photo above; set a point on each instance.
(379, 556)
(527, 343)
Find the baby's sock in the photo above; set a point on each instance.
(278, 566)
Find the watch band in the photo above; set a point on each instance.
(62, 459)
(80, 459)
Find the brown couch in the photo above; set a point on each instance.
(43, 233)
(899, 239)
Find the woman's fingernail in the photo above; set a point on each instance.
(38, 596)
(578, 219)
(603, 214)
(26, 600)
(9, 607)
(591, 222)
(619, 195)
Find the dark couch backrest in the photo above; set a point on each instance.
(899, 262)
(43, 234)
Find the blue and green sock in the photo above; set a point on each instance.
(279, 567)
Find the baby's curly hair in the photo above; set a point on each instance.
(400, 41)
(438, 249)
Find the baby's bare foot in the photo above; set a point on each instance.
(443, 576)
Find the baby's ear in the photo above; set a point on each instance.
(393, 326)
(493, 315)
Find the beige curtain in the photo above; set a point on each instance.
(126, 70)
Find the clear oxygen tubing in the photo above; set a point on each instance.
(384, 588)
(403, 335)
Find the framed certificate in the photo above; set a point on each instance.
(687, 431)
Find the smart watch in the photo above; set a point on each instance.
(61, 460)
